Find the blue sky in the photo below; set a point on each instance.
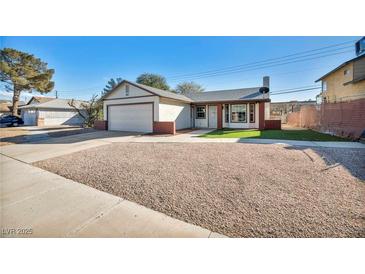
(84, 64)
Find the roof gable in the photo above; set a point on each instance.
(150, 90)
(340, 66)
(120, 92)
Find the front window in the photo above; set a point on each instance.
(252, 113)
(200, 112)
(238, 113)
(324, 86)
(226, 113)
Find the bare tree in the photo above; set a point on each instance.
(90, 111)
(188, 87)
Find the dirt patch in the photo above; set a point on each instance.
(240, 190)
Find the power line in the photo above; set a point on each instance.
(259, 64)
(262, 61)
(289, 89)
(274, 65)
(293, 91)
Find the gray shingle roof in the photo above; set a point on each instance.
(55, 104)
(228, 95)
(247, 94)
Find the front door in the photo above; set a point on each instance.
(212, 118)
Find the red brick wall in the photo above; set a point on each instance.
(164, 127)
(219, 119)
(272, 124)
(293, 119)
(344, 119)
(101, 125)
(261, 115)
(308, 117)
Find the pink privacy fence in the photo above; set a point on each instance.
(345, 119)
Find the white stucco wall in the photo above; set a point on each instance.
(172, 110)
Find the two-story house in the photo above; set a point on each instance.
(344, 83)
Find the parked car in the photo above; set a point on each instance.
(11, 120)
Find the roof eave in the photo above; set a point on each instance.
(230, 101)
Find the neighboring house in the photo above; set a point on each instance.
(6, 107)
(139, 108)
(46, 111)
(344, 83)
(280, 110)
(342, 101)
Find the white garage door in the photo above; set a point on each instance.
(136, 118)
(29, 117)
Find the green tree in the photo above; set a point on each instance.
(21, 71)
(153, 80)
(188, 87)
(112, 83)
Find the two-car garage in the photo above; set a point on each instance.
(131, 117)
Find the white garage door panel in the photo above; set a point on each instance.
(29, 117)
(136, 118)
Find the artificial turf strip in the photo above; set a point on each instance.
(300, 135)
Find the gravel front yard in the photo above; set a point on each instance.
(240, 190)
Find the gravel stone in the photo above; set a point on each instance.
(239, 190)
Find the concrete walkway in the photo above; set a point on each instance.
(37, 203)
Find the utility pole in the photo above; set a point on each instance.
(56, 94)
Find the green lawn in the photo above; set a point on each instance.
(301, 135)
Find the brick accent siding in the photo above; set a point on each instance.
(101, 125)
(272, 124)
(261, 115)
(219, 118)
(164, 127)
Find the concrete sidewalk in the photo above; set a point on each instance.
(37, 203)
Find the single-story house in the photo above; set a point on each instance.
(46, 111)
(139, 108)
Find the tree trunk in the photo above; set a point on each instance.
(15, 102)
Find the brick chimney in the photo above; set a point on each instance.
(266, 81)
